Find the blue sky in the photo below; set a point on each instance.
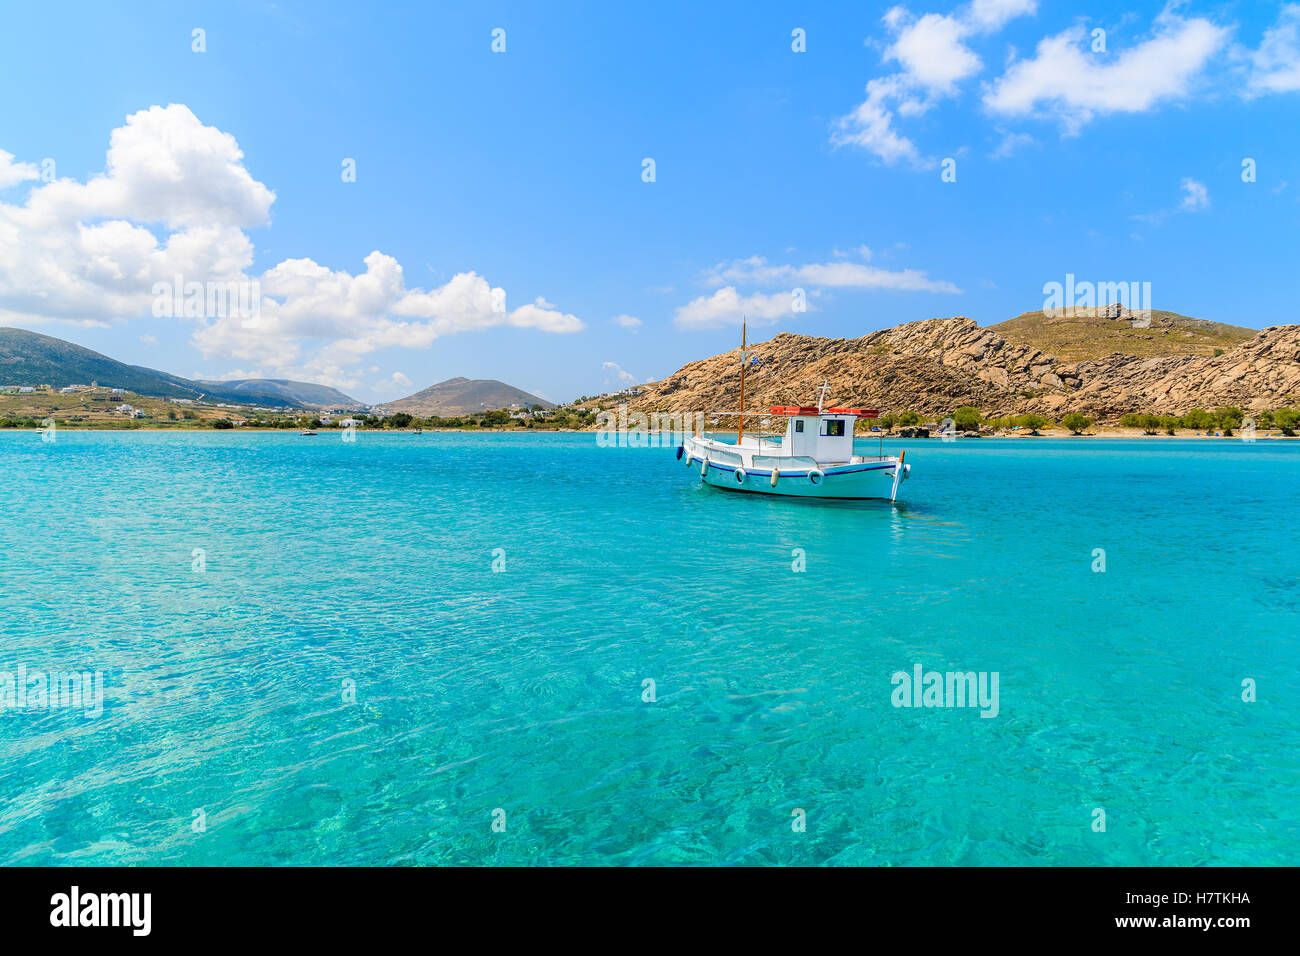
(522, 170)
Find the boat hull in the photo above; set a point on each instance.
(874, 479)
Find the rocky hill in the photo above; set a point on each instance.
(937, 365)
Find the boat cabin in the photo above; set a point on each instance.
(821, 435)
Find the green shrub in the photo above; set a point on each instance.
(1228, 416)
(1076, 422)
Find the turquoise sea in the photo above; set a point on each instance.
(347, 679)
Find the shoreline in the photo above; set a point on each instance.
(296, 430)
(1108, 434)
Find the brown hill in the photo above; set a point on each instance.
(935, 366)
(465, 396)
(1096, 333)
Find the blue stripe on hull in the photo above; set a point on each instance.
(789, 494)
(806, 488)
(840, 470)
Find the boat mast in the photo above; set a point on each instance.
(740, 429)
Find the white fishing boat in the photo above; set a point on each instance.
(814, 459)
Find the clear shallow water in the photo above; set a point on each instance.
(372, 562)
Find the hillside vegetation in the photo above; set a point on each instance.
(1093, 336)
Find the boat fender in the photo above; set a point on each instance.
(704, 467)
(740, 476)
(816, 476)
(680, 449)
(775, 473)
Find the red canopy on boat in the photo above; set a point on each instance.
(809, 410)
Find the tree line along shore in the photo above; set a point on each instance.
(195, 420)
(156, 414)
(1225, 421)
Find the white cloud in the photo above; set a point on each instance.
(994, 14)
(174, 200)
(11, 173)
(727, 307)
(1275, 66)
(935, 58)
(616, 374)
(87, 252)
(1063, 79)
(1011, 143)
(163, 166)
(397, 381)
(1196, 197)
(871, 125)
(863, 252)
(933, 53)
(840, 275)
(1066, 80)
(627, 321)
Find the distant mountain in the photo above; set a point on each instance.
(282, 391)
(464, 396)
(1091, 334)
(29, 358)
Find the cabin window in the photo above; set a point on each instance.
(798, 426)
(833, 428)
